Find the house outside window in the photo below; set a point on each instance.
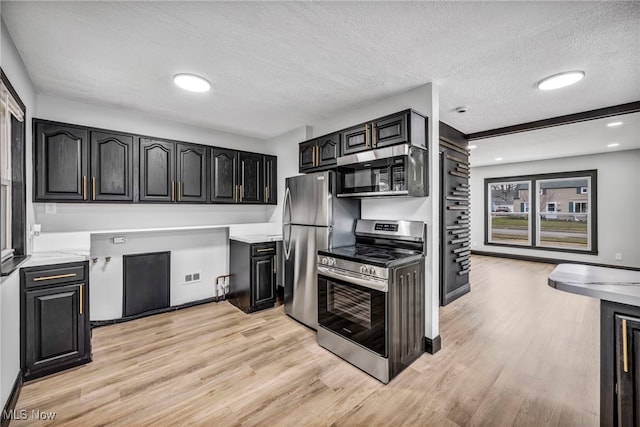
(546, 211)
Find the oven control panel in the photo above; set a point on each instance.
(367, 269)
(327, 260)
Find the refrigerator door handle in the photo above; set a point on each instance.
(286, 206)
(286, 241)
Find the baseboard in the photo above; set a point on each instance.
(10, 406)
(432, 345)
(451, 297)
(99, 323)
(550, 260)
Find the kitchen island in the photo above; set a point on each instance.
(619, 294)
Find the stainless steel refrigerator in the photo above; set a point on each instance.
(312, 218)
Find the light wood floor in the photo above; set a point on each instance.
(515, 352)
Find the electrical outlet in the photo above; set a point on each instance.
(192, 277)
(121, 239)
(618, 257)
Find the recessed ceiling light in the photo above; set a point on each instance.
(498, 159)
(561, 80)
(471, 147)
(613, 144)
(612, 124)
(191, 82)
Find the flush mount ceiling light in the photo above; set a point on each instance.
(498, 159)
(561, 80)
(612, 124)
(613, 144)
(192, 82)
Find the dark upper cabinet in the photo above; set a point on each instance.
(307, 156)
(405, 127)
(157, 171)
(355, 139)
(111, 167)
(192, 173)
(224, 176)
(55, 316)
(271, 180)
(251, 177)
(61, 162)
(263, 280)
(320, 153)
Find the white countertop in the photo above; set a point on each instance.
(609, 284)
(56, 257)
(256, 238)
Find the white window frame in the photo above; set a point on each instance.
(555, 207)
(584, 190)
(8, 108)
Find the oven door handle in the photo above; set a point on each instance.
(374, 283)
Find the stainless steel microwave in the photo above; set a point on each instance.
(399, 170)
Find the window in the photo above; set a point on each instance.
(10, 111)
(562, 215)
(509, 213)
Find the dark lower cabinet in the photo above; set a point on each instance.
(253, 268)
(54, 313)
(619, 364)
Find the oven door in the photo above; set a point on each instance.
(354, 312)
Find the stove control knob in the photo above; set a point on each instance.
(372, 271)
(331, 261)
(324, 260)
(363, 269)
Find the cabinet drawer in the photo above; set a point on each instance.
(261, 249)
(52, 276)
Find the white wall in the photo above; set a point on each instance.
(423, 99)
(9, 293)
(77, 216)
(283, 147)
(198, 251)
(618, 204)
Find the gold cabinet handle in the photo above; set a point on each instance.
(81, 288)
(241, 193)
(93, 188)
(366, 135)
(374, 137)
(173, 191)
(318, 156)
(179, 191)
(57, 276)
(264, 250)
(235, 195)
(625, 360)
(275, 264)
(266, 194)
(84, 188)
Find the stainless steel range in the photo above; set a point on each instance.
(371, 297)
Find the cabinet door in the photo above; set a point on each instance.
(355, 139)
(224, 173)
(390, 131)
(262, 280)
(328, 149)
(628, 369)
(111, 167)
(271, 180)
(192, 173)
(251, 177)
(307, 156)
(157, 171)
(54, 325)
(62, 163)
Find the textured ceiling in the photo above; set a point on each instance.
(278, 65)
(588, 137)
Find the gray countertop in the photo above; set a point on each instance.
(610, 284)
